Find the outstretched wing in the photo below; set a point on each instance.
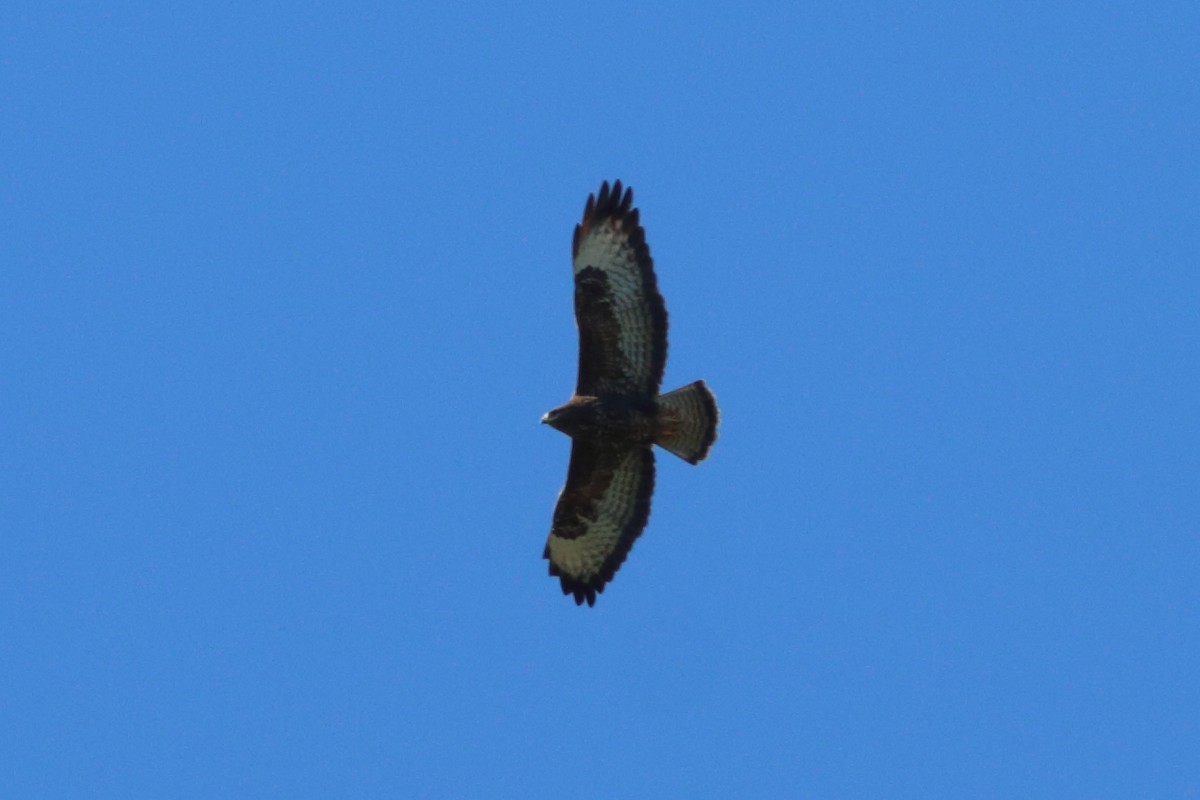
(621, 317)
(600, 513)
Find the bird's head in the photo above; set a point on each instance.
(553, 417)
(566, 418)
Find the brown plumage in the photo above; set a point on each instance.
(617, 414)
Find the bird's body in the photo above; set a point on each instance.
(617, 420)
(616, 414)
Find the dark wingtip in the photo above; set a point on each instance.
(613, 200)
(581, 593)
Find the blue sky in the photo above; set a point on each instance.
(286, 290)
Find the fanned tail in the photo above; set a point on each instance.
(688, 422)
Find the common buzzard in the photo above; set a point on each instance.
(616, 413)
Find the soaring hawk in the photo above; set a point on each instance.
(616, 413)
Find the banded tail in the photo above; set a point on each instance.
(688, 421)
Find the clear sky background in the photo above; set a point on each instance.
(286, 289)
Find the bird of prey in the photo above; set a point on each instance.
(616, 413)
